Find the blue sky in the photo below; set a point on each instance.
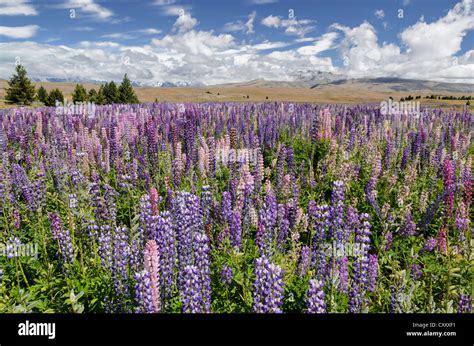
(210, 41)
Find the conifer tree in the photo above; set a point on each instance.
(101, 100)
(80, 94)
(126, 92)
(92, 96)
(20, 89)
(111, 92)
(55, 95)
(42, 95)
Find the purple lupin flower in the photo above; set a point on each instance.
(352, 135)
(3, 141)
(23, 186)
(283, 226)
(315, 302)
(388, 240)
(167, 253)
(396, 298)
(63, 237)
(203, 265)
(206, 204)
(408, 228)
(465, 303)
(280, 166)
(415, 271)
(191, 297)
(105, 246)
(152, 266)
(466, 180)
(259, 170)
(188, 223)
(259, 237)
(315, 128)
(336, 230)
(268, 218)
(143, 292)
(152, 145)
(430, 244)
(373, 271)
(351, 222)
(212, 155)
(304, 261)
(38, 189)
(177, 168)
(235, 229)
(462, 225)
(146, 221)
(56, 226)
(449, 185)
(405, 157)
(290, 159)
(360, 266)
(320, 221)
(343, 274)
(113, 143)
(226, 208)
(370, 194)
(226, 275)
(121, 256)
(109, 197)
(268, 287)
(387, 152)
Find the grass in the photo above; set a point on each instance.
(327, 94)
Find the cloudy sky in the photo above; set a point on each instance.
(215, 41)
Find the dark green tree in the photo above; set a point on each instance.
(92, 96)
(20, 89)
(42, 95)
(101, 100)
(126, 92)
(80, 94)
(111, 92)
(55, 95)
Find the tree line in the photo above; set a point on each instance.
(21, 91)
(438, 97)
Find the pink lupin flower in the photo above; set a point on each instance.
(152, 266)
(154, 200)
(448, 172)
(442, 240)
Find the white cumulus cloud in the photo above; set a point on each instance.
(292, 26)
(89, 7)
(17, 8)
(185, 22)
(27, 31)
(428, 50)
(247, 27)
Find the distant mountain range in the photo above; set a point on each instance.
(135, 84)
(400, 84)
(312, 80)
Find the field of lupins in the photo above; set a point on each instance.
(228, 207)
